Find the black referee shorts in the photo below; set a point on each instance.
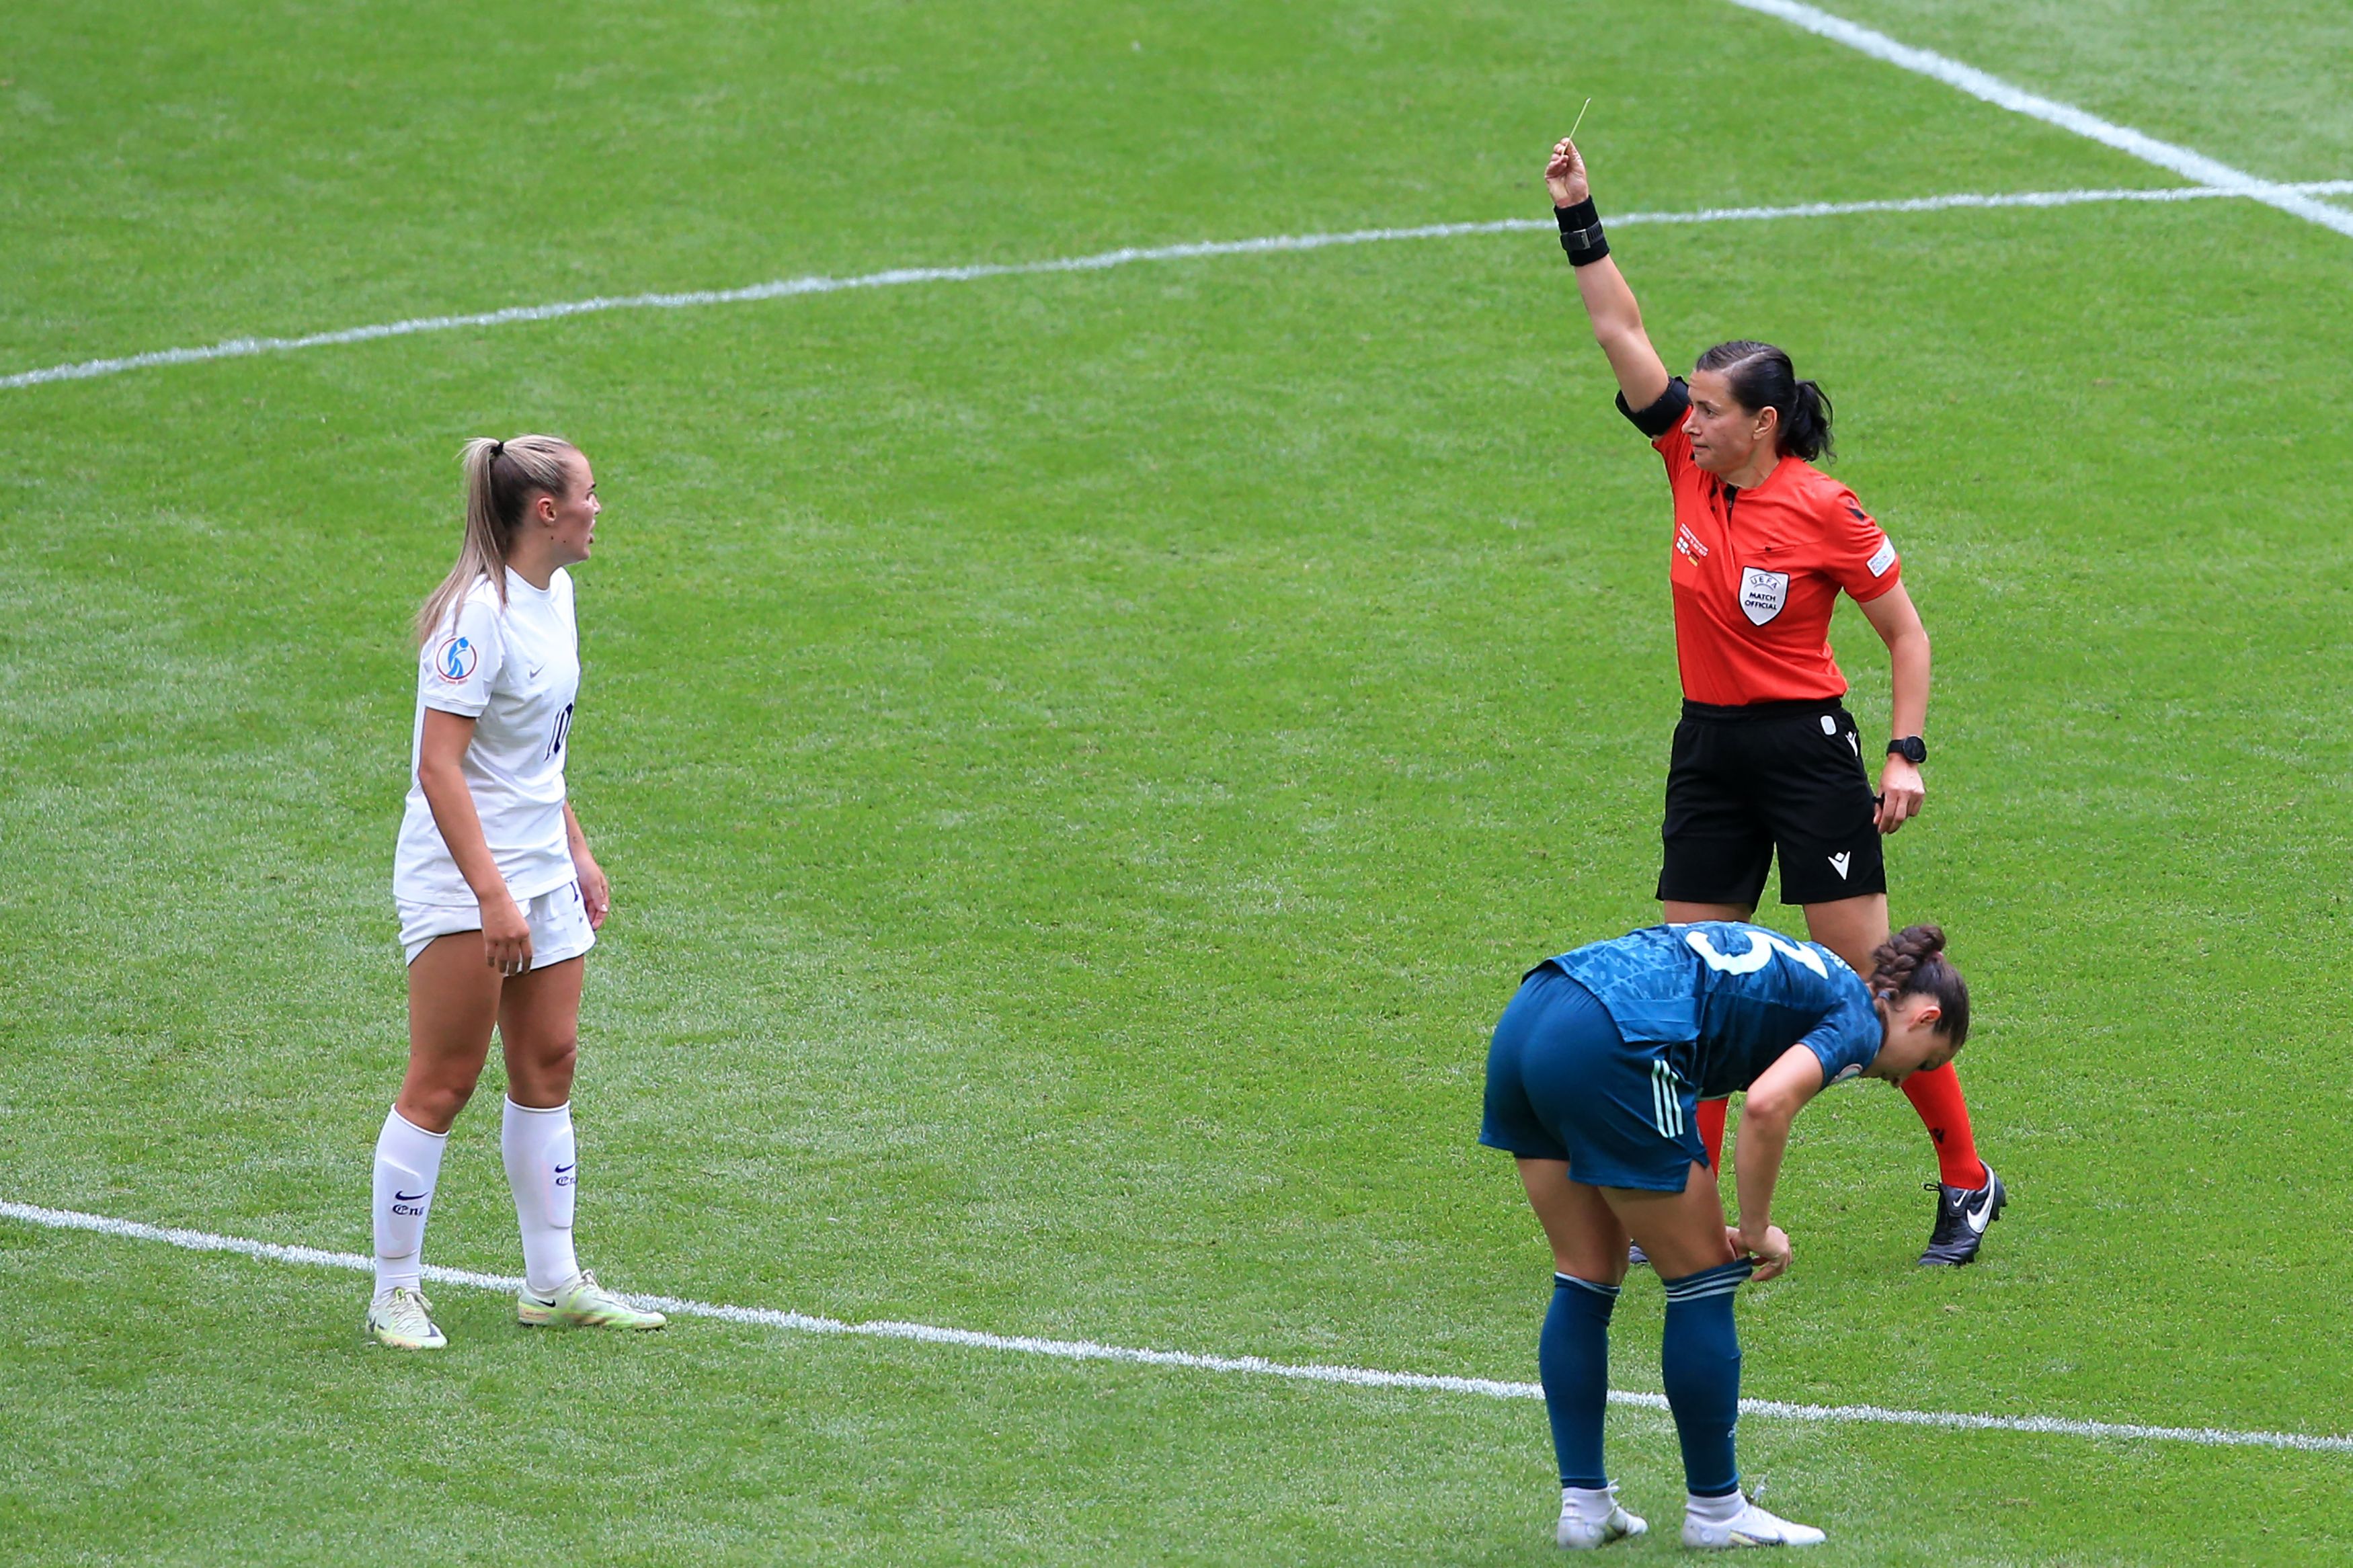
(1747, 781)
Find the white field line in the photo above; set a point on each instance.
(2183, 161)
(1087, 1349)
(240, 347)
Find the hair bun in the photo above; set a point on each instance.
(1913, 961)
(1923, 942)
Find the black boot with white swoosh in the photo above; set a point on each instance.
(1962, 1216)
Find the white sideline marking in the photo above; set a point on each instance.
(240, 347)
(2183, 161)
(1087, 1349)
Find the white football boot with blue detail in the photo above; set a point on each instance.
(1752, 1526)
(1586, 1523)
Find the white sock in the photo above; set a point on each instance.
(542, 1166)
(407, 1163)
(1590, 1505)
(1715, 1510)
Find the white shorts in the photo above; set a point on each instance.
(558, 921)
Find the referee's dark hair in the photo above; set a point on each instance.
(1913, 963)
(1761, 376)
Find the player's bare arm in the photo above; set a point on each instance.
(595, 890)
(1609, 300)
(506, 935)
(1772, 1103)
(1893, 615)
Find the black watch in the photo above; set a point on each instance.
(1910, 748)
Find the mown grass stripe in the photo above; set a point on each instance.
(2186, 162)
(1089, 1351)
(787, 287)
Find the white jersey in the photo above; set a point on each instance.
(514, 671)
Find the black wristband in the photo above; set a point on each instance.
(1580, 233)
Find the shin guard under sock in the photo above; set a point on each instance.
(407, 1163)
(1937, 1096)
(1699, 1359)
(542, 1168)
(1573, 1359)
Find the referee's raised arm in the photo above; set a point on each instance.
(1616, 319)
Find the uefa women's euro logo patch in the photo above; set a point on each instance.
(454, 660)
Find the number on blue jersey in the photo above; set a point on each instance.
(1762, 946)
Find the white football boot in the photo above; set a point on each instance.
(1752, 1526)
(582, 1303)
(1579, 1531)
(403, 1319)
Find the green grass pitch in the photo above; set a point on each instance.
(1082, 760)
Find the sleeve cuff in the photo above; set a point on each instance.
(1879, 587)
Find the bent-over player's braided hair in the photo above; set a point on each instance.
(1913, 963)
(500, 479)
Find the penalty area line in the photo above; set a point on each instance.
(789, 287)
(1089, 1351)
(2186, 162)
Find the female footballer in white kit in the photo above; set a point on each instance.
(499, 897)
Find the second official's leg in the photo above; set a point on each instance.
(1970, 1195)
(1937, 1096)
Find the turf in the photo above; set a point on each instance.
(1082, 760)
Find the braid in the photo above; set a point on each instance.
(1913, 963)
(1895, 961)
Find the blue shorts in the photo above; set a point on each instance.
(1563, 1084)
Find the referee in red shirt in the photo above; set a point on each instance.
(1766, 758)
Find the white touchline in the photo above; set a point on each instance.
(1087, 1349)
(240, 347)
(2183, 161)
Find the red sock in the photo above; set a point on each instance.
(1710, 1131)
(1937, 1096)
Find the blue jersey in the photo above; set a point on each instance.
(1729, 1000)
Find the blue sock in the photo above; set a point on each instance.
(1573, 1359)
(1700, 1358)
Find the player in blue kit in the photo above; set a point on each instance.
(1592, 1082)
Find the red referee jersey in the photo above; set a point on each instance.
(1756, 571)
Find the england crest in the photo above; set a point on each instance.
(1762, 594)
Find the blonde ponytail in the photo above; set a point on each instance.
(500, 479)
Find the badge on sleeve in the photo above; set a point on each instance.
(1762, 594)
(1881, 558)
(455, 659)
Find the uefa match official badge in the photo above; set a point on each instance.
(1762, 594)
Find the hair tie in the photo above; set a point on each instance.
(498, 450)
